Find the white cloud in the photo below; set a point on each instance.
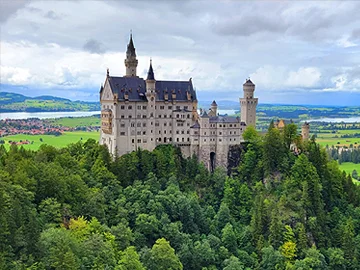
(14, 75)
(303, 77)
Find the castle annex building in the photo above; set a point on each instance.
(143, 113)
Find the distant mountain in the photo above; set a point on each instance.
(11, 102)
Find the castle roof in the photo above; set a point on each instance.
(226, 119)
(130, 47)
(213, 103)
(205, 115)
(196, 125)
(248, 82)
(150, 75)
(135, 88)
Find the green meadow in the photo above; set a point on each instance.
(57, 141)
(88, 121)
(348, 167)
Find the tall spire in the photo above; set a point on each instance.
(150, 75)
(131, 62)
(130, 47)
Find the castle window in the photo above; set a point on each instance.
(144, 124)
(130, 107)
(177, 139)
(122, 125)
(188, 139)
(220, 140)
(204, 140)
(122, 107)
(177, 116)
(139, 140)
(151, 139)
(164, 115)
(132, 140)
(188, 116)
(178, 107)
(159, 139)
(159, 131)
(230, 125)
(165, 124)
(139, 107)
(144, 107)
(177, 132)
(138, 124)
(188, 132)
(130, 116)
(182, 132)
(170, 107)
(144, 132)
(170, 139)
(123, 116)
(132, 124)
(220, 133)
(138, 116)
(122, 133)
(144, 116)
(144, 141)
(183, 139)
(219, 125)
(159, 115)
(204, 133)
(162, 107)
(234, 132)
(138, 132)
(164, 131)
(185, 107)
(150, 131)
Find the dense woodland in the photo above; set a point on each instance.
(77, 208)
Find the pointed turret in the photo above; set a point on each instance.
(150, 75)
(131, 48)
(131, 62)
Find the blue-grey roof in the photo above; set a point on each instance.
(150, 75)
(131, 48)
(135, 88)
(225, 119)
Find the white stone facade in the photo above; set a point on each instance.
(138, 113)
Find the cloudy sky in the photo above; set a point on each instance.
(296, 52)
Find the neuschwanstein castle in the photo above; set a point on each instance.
(143, 113)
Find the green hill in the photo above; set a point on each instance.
(11, 102)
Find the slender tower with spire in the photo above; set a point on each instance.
(131, 62)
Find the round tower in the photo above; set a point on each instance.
(248, 104)
(305, 131)
(131, 62)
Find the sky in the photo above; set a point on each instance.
(296, 52)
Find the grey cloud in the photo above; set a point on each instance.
(9, 7)
(94, 46)
(246, 25)
(355, 35)
(51, 15)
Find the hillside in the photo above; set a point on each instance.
(77, 208)
(11, 102)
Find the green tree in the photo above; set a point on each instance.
(129, 260)
(163, 257)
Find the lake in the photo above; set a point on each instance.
(46, 115)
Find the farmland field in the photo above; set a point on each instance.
(88, 121)
(57, 141)
(348, 167)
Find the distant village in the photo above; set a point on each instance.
(35, 126)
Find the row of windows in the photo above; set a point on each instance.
(165, 140)
(139, 107)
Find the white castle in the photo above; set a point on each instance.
(138, 113)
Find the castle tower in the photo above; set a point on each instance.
(131, 62)
(151, 98)
(305, 131)
(248, 104)
(214, 108)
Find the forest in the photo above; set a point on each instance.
(78, 208)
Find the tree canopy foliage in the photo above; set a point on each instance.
(79, 208)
